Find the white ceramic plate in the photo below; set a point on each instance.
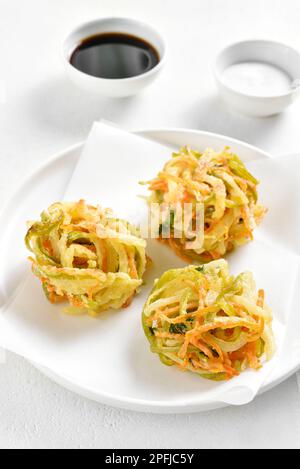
(54, 175)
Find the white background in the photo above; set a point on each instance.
(44, 113)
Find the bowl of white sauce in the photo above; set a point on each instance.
(258, 78)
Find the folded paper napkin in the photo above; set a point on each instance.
(111, 354)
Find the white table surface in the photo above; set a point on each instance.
(44, 113)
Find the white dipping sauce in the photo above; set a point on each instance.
(257, 79)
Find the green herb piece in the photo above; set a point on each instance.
(179, 328)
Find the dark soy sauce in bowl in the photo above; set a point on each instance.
(114, 56)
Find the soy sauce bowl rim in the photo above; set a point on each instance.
(67, 52)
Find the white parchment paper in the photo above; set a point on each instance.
(111, 353)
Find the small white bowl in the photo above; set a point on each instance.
(114, 88)
(269, 52)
